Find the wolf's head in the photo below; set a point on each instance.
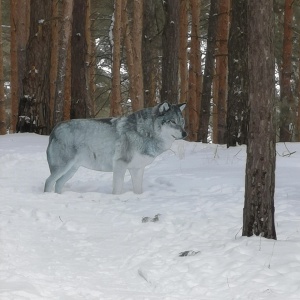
(170, 118)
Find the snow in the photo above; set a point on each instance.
(180, 239)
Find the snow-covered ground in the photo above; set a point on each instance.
(89, 244)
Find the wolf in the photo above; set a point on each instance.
(113, 145)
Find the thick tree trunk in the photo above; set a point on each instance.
(2, 99)
(14, 66)
(67, 86)
(237, 109)
(54, 56)
(194, 73)
(137, 29)
(65, 35)
(259, 208)
(150, 52)
(208, 72)
(23, 19)
(221, 69)
(297, 94)
(115, 100)
(170, 48)
(90, 60)
(133, 44)
(34, 110)
(287, 110)
(81, 106)
(183, 54)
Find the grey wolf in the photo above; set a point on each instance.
(113, 145)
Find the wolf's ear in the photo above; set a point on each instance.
(182, 106)
(163, 107)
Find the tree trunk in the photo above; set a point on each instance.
(237, 110)
(81, 106)
(2, 99)
(259, 208)
(287, 111)
(65, 35)
(208, 72)
(133, 40)
(115, 101)
(215, 108)
(23, 14)
(170, 48)
(298, 111)
(67, 86)
(194, 72)
(183, 55)
(137, 27)
(128, 47)
(221, 68)
(90, 60)
(54, 55)
(14, 66)
(34, 110)
(150, 52)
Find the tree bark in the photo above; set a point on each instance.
(137, 27)
(54, 56)
(208, 72)
(298, 108)
(67, 86)
(222, 68)
(194, 73)
(90, 60)
(65, 35)
(237, 110)
(183, 54)
(34, 110)
(133, 39)
(115, 100)
(14, 85)
(170, 48)
(258, 218)
(81, 106)
(2, 99)
(150, 52)
(287, 110)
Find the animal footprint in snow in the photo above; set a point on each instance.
(188, 253)
(149, 219)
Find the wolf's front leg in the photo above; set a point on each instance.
(137, 179)
(119, 171)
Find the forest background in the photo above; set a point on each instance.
(86, 58)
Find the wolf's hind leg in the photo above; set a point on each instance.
(137, 179)
(63, 179)
(56, 174)
(51, 181)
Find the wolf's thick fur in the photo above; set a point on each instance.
(113, 145)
